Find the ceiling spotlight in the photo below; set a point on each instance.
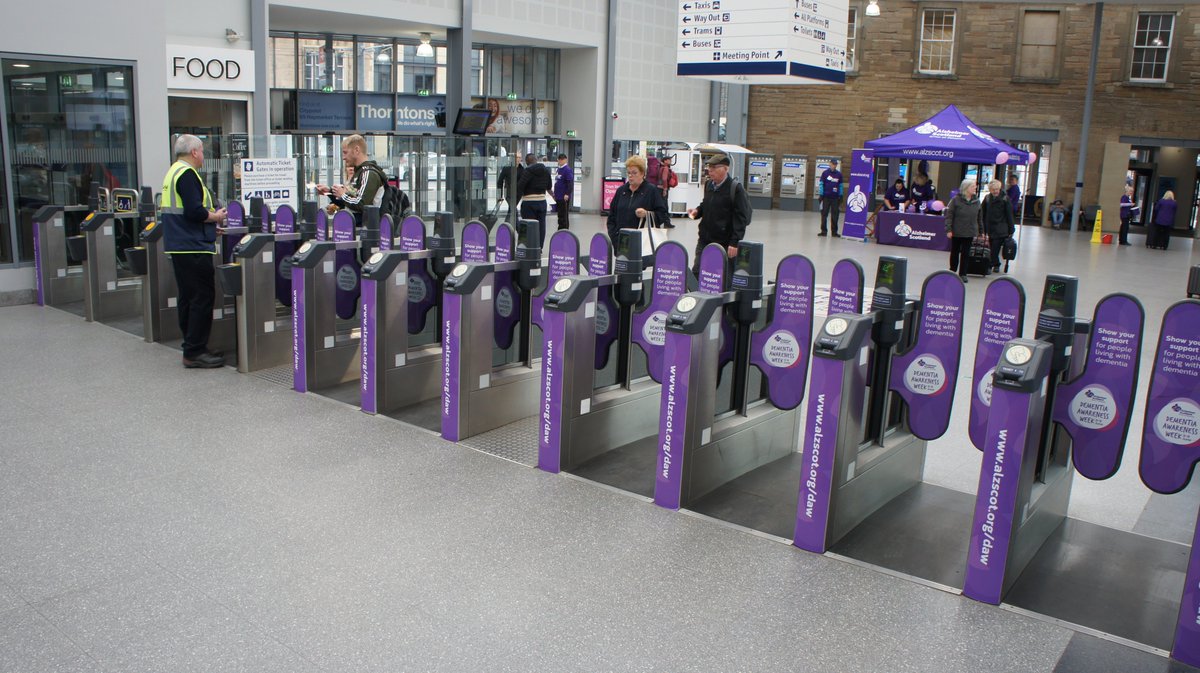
(873, 8)
(425, 50)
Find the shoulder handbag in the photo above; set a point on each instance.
(649, 241)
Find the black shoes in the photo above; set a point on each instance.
(822, 234)
(836, 235)
(204, 361)
(668, 225)
(963, 278)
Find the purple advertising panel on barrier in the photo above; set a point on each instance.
(1171, 430)
(912, 230)
(858, 199)
(265, 211)
(672, 426)
(475, 243)
(781, 349)
(422, 291)
(508, 304)
(285, 223)
(387, 232)
(819, 451)
(1171, 446)
(550, 412)
(564, 261)
(235, 216)
(668, 284)
(926, 375)
(846, 288)
(322, 225)
(368, 340)
(1095, 407)
(996, 497)
(1002, 319)
(713, 267)
(345, 266)
(607, 314)
(451, 343)
(299, 365)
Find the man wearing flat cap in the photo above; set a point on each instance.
(724, 212)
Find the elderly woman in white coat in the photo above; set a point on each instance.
(963, 224)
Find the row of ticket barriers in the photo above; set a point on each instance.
(690, 390)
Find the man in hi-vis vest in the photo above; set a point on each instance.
(189, 237)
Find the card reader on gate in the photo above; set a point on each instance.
(569, 293)
(1024, 365)
(843, 336)
(381, 265)
(464, 278)
(311, 253)
(1056, 319)
(252, 244)
(693, 312)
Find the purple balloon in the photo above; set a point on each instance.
(937, 205)
(1002, 158)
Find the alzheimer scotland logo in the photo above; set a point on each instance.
(927, 128)
(857, 201)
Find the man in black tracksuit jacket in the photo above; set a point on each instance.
(724, 212)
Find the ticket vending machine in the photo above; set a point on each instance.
(760, 170)
(792, 178)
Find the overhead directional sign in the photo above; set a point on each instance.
(763, 41)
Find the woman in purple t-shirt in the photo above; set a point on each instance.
(1164, 219)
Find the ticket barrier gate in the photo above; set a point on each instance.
(399, 368)
(882, 386)
(264, 326)
(476, 395)
(59, 281)
(327, 337)
(700, 449)
(108, 296)
(577, 420)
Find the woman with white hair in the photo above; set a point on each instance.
(1164, 219)
(963, 224)
(998, 220)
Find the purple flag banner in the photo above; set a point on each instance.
(858, 199)
(322, 225)
(422, 294)
(607, 314)
(669, 283)
(781, 350)
(345, 266)
(475, 243)
(235, 216)
(672, 428)
(369, 342)
(550, 421)
(1171, 431)
(1001, 321)
(387, 232)
(507, 303)
(846, 288)
(564, 261)
(819, 451)
(996, 497)
(926, 375)
(299, 338)
(713, 267)
(452, 306)
(285, 223)
(1095, 407)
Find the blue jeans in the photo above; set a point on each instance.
(536, 210)
(1056, 217)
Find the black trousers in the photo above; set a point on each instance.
(562, 208)
(1123, 237)
(1159, 236)
(830, 205)
(196, 279)
(536, 210)
(996, 245)
(960, 248)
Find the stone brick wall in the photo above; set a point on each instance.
(834, 119)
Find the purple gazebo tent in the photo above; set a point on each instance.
(948, 136)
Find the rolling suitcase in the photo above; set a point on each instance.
(979, 258)
(1008, 251)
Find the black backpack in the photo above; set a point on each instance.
(394, 202)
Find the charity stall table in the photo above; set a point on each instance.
(946, 136)
(912, 230)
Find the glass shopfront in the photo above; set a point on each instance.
(66, 124)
